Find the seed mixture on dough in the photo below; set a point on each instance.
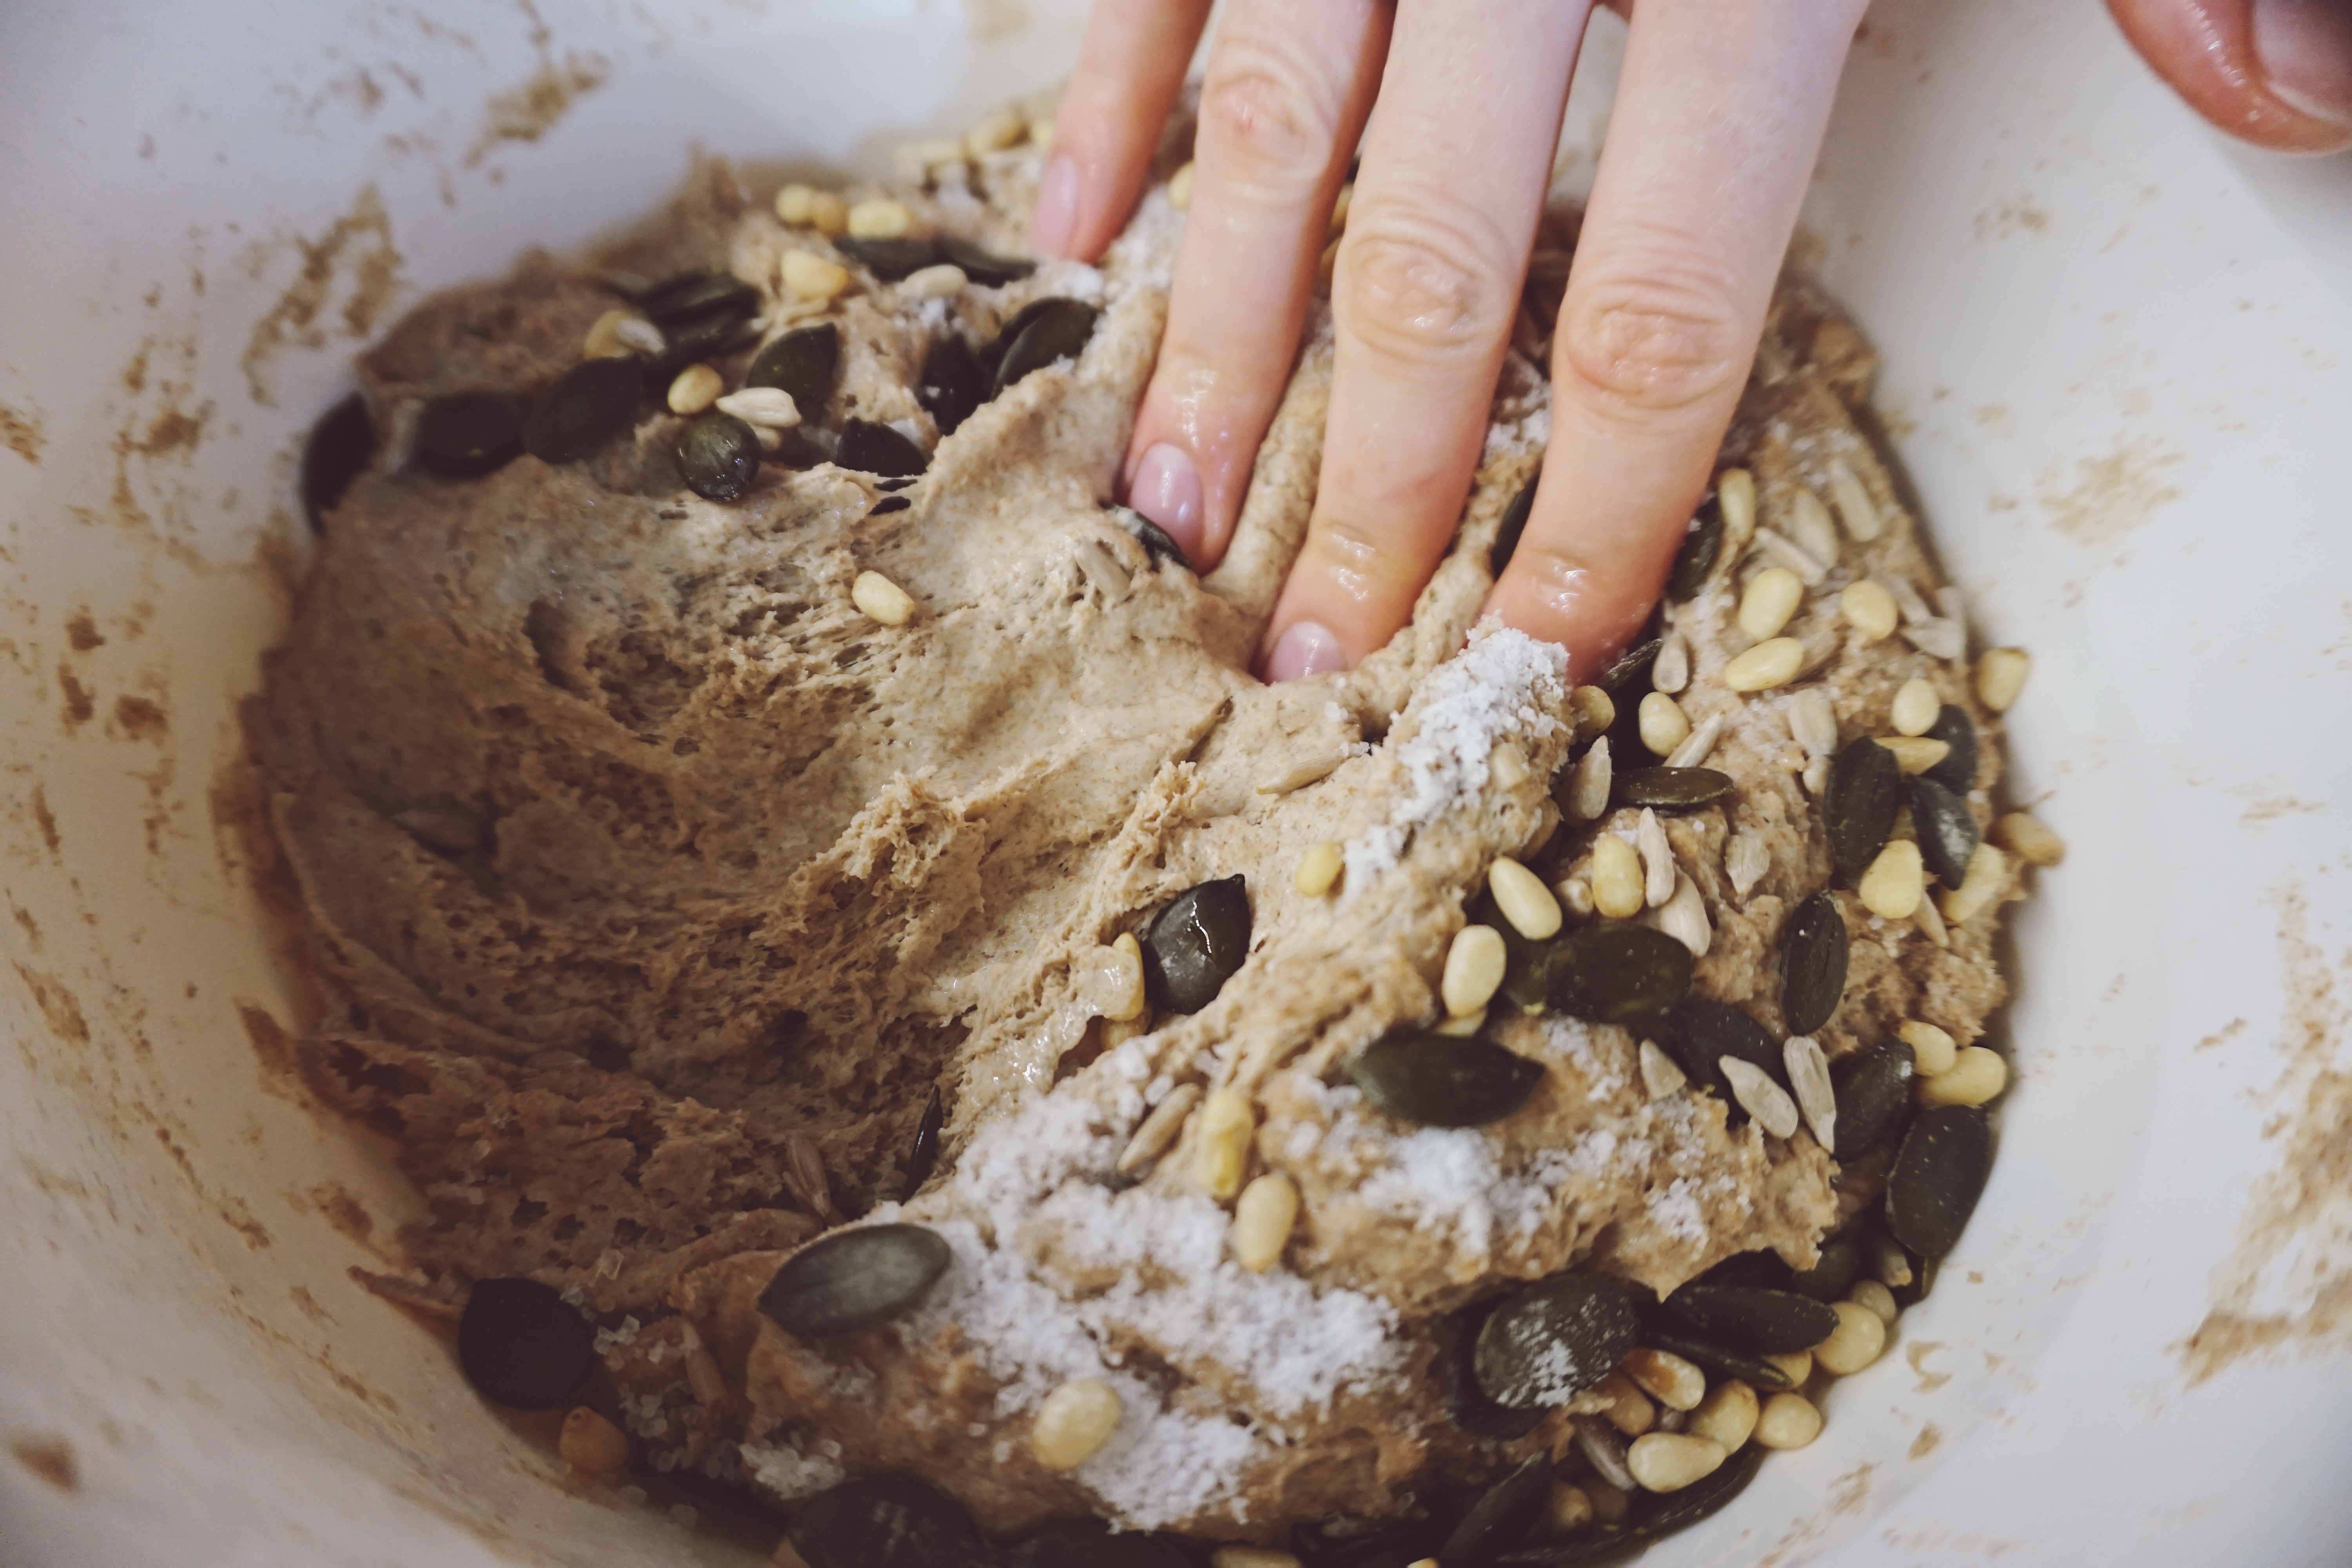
(814, 895)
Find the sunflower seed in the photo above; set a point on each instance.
(521, 1344)
(1957, 770)
(1930, 921)
(1745, 861)
(340, 447)
(1671, 673)
(1812, 722)
(1587, 783)
(1812, 963)
(1683, 917)
(1434, 1081)
(1196, 945)
(468, 435)
(1937, 638)
(1763, 1322)
(1501, 1517)
(718, 456)
(1782, 551)
(1907, 598)
(1854, 507)
(1809, 1080)
(1759, 1096)
(1698, 746)
(804, 1176)
(1159, 1129)
(886, 1522)
(1866, 791)
(803, 363)
(1872, 1087)
(1670, 788)
(868, 448)
(1552, 1340)
(1507, 531)
(855, 1279)
(1056, 333)
(639, 336)
(1811, 528)
(1702, 542)
(1938, 1177)
(587, 405)
(1657, 860)
(1947, 829)
(1660, 1076)
(1816, 775)
(769, 406)
(1614, 973)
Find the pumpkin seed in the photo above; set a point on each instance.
(1761, 1269)
(1828, 1280)
(1466, 1402)
(804, 362)
(720, 456)
(1812, 965)
(1149, 534)
(951, 386)
(1702, 1031)
(1551, 1340)
(1671, 789)
(984, 267)
(1938, 1177)
(1873, 1090)
(1858, 809)
(1701, 543)
(887, 1522)
(866, 447)
(1440, 1080)
(1633, 664)
(925, 1154)
(469, 434)
(705, 338)
(889, 504)
(1507, 531)
(1400, 1544)
(1196, 944)
(1091, 1543)
(1614, 971)
(340, 446)
(588, 405)
(1720, 1360)
(691, 295)
(1949, 835)
(1057, 333)
(1957, 770)
(523, 1346)
(893, 259)
(1501, 1519)
(1764, 1322)
(855, 1279)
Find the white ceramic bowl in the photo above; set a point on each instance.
(2118, 365)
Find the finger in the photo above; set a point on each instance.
(1288, 86)
(1719, 115)
(2277, 73)
(1426, 287)
(1131, 69)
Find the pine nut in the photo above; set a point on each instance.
(2001, 675)
(1319, 869)
(1226, 1123)
(1575, 895)
(697, 386)
(1795, 1366)
(1683, 917)
(1629, 1409)
(1765, 666)
(1074, 1423)
(1566, 1508)
(1179, 189)
(1251, 1557)
(828, 214)
(1735, 497)
(1915, 754)
(1657, 858)
(1474, 970)
(994, 132)
(1782, 550)
(1671, 670)
(1987, 879)
(1816, 776)
(881, 218)
(1915, 707)
(1809, 1077)
(1263, 1217)
(702, 1375)
(1745, 861)
(1460, 1028)
(767, 407)
(1759, 1096)
(1854, 507)
(1594, 709)
(1589, 783)
(1976, 1076)
(1812, 722)
(1610, 1503)
(1857, 1341)
(1159, 1128)
(1771, 602)
(591, 1445)
(1616, 878)
(1666, 1378)
(1726, 1416)
(1788, 1421)
(2023, 835)
(1526, 902)
(1811, 528)
(603, 339)
(1669, 1462)
(1870, 1293)
(1869, 609)
(1698, 746)
(881, 599)
(1896, 881)
(1663, 724)
(1041, 133)
(812, 277)
(944, 281)
(795, 203)
(1126, 988)
(1661, 1074)
(1932, 1050)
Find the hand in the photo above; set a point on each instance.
(1719, 116)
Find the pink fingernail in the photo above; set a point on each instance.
(2306, 47)
(1056, 216)
(1308, 648)
(1167, 489)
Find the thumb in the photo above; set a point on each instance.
(2277, 73)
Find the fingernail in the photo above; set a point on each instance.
(1056, 216)
(1308, 648)
(1167, 489)
(2306, 48)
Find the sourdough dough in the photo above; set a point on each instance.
(653, 889)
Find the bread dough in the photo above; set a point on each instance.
(651, 889)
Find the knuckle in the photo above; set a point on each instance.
(1261, 120)
(1653, 343)
(1424, 287)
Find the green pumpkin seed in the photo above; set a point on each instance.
(925, 1155)
(1957, 770)
(1812, 963)
(951, 387)
(1614, 971)
(856, 1279)
(589, 404)
(1720, 1360)
(1196, 944)
(1866, 790)
(1467, 1403)
(804, 362)
(1543, 1345)
(1696, 558)
(1148, 533)
(696, 294)
(866, 447)
(984, 267)
(1873, 1090)
(1059, 332)
(711, 337)
(1441, 1080)
(1762, 1268)
(523, 1346)
(1500, 1518)
(1631, 665)
(887, 1522)
(1762, 1323)
(469, 434)
(1091, 1543)
(720, 456)
(1507, 531)
(1702, 1031)
(891, 259)
(1833, 1276)
(341, 446)
(1938, 1175)
(1671, 789)
(1947, 829)
(993, 353)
